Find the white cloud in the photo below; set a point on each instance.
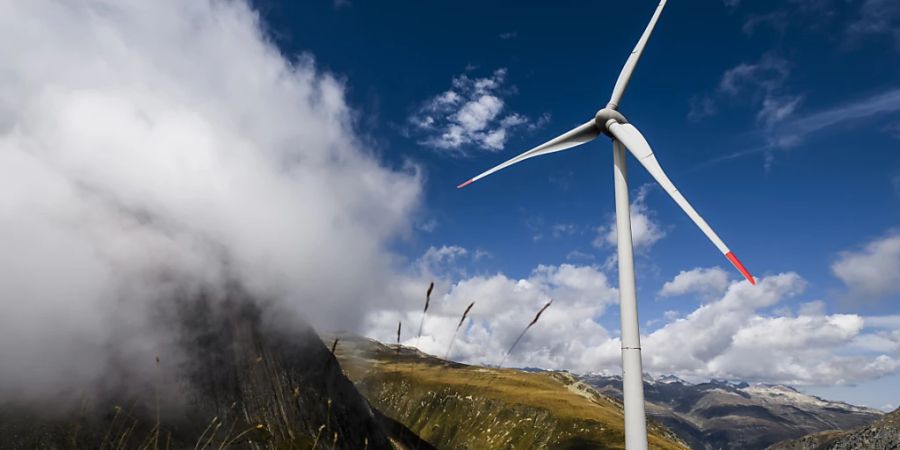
(470, 114)
(564, 229)
(428, 225)
(704, 281)
(872, 272)
(562, 338)
(734, 336)
(150, 151)
(440, 259)
(814, 308)
(731, 337)
(644, 230)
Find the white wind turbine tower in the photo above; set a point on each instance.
(624, 135)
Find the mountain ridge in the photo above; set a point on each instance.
(738, 415)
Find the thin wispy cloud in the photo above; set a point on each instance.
(795, 131)
(848, 24)
(877, 18)
(760, 84)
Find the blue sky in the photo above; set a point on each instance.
(779, 121)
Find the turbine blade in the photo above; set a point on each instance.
(628, 135)
(631, 62)
(576, 136)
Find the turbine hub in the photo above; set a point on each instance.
(604, 116)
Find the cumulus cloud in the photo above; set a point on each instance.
(704, 281)
(733, 336)
(470, 114)
(563, 338)
(154, 150)
(872, 272)
(645, 231)
(443, 259)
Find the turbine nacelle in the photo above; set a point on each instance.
(606, 117)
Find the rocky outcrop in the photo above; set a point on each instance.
(883, 434)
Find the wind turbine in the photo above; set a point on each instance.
(611, 122)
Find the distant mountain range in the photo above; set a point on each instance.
(727, 415)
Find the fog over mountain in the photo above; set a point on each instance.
(152, 151)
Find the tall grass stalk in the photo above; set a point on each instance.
(455, 332)
(399, 326)
(522, 334)
(424, 311)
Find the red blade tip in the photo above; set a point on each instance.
(465, 184)
(740, 267)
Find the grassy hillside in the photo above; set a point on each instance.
(455, 406)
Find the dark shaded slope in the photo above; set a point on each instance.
(239, 386)
(883, 434)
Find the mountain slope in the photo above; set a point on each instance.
(240, 386)
(722, 415)
(883, 434)
(455, 406)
